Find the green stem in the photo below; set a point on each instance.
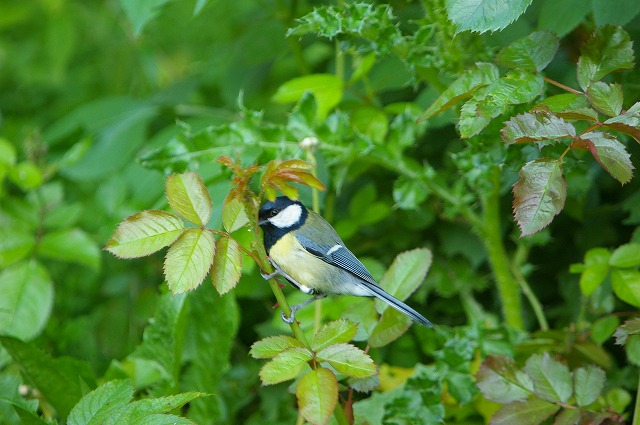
(518, 259)
(492, 237)
(311, 158)
(636, 409)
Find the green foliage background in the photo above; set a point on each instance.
(101, 100)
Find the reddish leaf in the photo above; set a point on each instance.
(536, 126)
(610, 153)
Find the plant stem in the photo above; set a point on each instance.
(562, 86)
(518, 259)
(636, 409)
(311, 158)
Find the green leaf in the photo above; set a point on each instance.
(101, 404)
(480, 75)
(563, 102)
(551, 379)
(539, 194)
(326, 88)
(535, 127)
(603, 328)
(626, 285)
(143, 409)
(484, 15)
(227, 265)
(632, 349)
(592, 276)
(26, 301)
(391, 326)
(284, 366)
(317, 394)
(409, 193)
(16, 242)
(610, 154)
(189, 259)
(144, 233)
(588, 384)
(561, 17)
(189, 197)
(271, 346)
(628, 122)
(336, 332)
(234, 215)
(518, 86)
(629, 327)
(624, 256)
(405, 275)
(607, 50)
(621, 14)
(531, 412)
(500, 380)
(70, 245)
(532, 53)
(140, 13)
(26, 175)
(371, 122)
(348, 360)
(606, 98)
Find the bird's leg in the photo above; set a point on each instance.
(266, 276)
(297, 307)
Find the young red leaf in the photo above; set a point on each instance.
(539, 194)
(500, 380)
(551, 379)
(536, 126)
(628, 122)
(317, 394)
(610, 153)
(531, 412)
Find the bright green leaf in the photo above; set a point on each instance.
(189, 197)
(518, 86)
(371, 122)
(532, 53)
(26, 175)
(405, 275)
(102, 404)
(409, 193)
(144, 233)
(539, 194)
(535, 127)
(189, 259)
(551, 379)
(140, 13)
(500, 380)
(16, 242)
(628, 122)
(626, 285)
(227, 265)
(391, 326)
(326, 88)
(8, 154)
(624, 256)
(317, 394)
(336, 332)
(592, 276)
(531, 412)
(606, 98)
(284, 366)
(26, 301)
(484, 15)
(70, 245)
(348, 360)
(563, 102)
(271, 346)
(603, 328)
(588, 384)
(234, 215)
(610, 153)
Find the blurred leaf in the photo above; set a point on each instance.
(624, 256)
(603, 328)
(405, 275)
(348, 360)
(532, 53)
(592, 276)
(588, 384)
(629, 327)
(234, 215)
(227, 265)
(409, 193)
(561, 17)
(621, 14)
(284, 366)
(189, 260)
(141, 12)
(500, 380)
(71, 245)
(535, 127)
(607, 50)
(271, 346)
(336, 332)
(371, 122)
(551, 379)
(26, 301)
(531, 412)
(628, 122)
(16, 242)
(144, 233)
(632, 349)
(626, 285)
(606, 98)
(326, 88)
(610, 153)
(539, 194)
(317, 394)
(189, 197)
(26, 175)
(484, 15)
(391, 326)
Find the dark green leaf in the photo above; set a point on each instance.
(471, 121)
(626, 285)
(588, 384)
(535, 127)
(606, 98)
(227, 265)
(630, 327)
(484, 15)
(560, 17)
(501, 381)
(531, 412)
(532, 53)
(409, 193)
(551, 379)
(621, 14)
(610, 153)
(628, 122)
(317, 394)
(336, 332)
(632, 349)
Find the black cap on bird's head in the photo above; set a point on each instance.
(279, 217)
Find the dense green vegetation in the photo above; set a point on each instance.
(478, 160)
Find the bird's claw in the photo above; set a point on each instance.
(288, 320)
(267, 276)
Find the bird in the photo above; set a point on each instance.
(307, 251)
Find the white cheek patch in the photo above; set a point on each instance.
(287, 217)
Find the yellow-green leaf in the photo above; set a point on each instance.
(391, 326)
(271, 346)
(234, 215)
(326, 88)
(189, 197)
(188, 260)
(335, 332)
(227, 265)
(348, 360)
(284, 366)
(405, 275)
(317, 395)
(144, 233)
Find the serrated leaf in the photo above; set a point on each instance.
(405, 275)
(26, 301)
(234, 215)
(348, 360)
(608, 49)
(317, 394)
(518, 86)
(227, 265)
(628, 122)
(484, 15)
(500, 380)
(188, 260)
(271, 346)
(326, 88)
(627, 255)
(629, 327)
(606, 98)
(336, 332)
(531, 412)
(140, 409)
(588, 384)
(539, 194)
(536, 126)
(70, 245)
(144, 233)
(551, 379)
(471, 121)
(391, 326)
(586, 114)
(102, 403)
(626, 285)
(532, 53)
(480, 75)
(562, 102)
(189, 197)
(284, 366)
(610, 154)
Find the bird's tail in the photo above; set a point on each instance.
(378, 292)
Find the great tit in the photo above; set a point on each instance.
(304, 249)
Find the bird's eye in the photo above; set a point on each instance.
(274, 212)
